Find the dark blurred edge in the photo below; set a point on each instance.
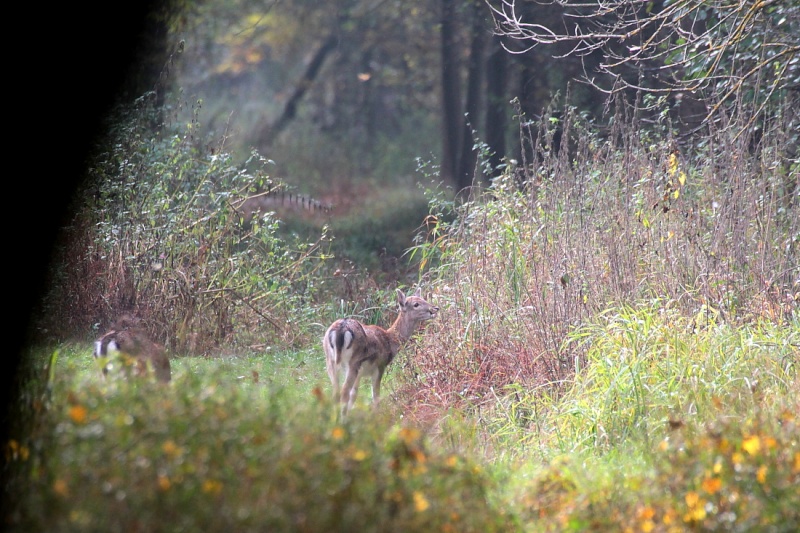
(68, 63)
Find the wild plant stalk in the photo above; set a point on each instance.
(600, 222)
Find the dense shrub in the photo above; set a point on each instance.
(595, 220)
(227, 448)
(157, 232)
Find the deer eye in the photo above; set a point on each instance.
(416, 304)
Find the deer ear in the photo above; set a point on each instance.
(418, 292)
(401, 298)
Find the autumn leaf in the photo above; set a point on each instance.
(78, 414)
(421, 503)
(752, 444)
(712, 485)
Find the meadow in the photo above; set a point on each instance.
(616, 350)
(666, 429)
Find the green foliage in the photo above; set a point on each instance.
(649, 368)
(738, 476)
(375, 235)
(599, 223)
(726, 50)
(232, 445)
(162, 236)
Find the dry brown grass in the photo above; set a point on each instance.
(711, 229)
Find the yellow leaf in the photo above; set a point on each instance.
(752, 444)
(60, 488)
(761, 475)
(692, 498)
(672, 165)
(78, 414)
(337, 433)
(171, 449)
(359, 455)
(211, 486)
(409, 435)
(420, 502)
(15, 451)
(418, 455)
(163, 483)
(646, 513)
(698, 514)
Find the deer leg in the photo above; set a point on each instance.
(349, 389)
(376, 388)
(354, 391)
(333, 373)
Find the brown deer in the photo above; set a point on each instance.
(128, 340)
(366, 350)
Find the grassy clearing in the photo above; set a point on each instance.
(243, 444)
(617, 349)
(665, 428)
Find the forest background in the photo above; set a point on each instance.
(373, 110)
(478, 156)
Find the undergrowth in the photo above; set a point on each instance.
(158, 232)
(617, 348)
(229, 445)
(591, 225)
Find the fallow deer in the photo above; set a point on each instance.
(128, 340)
(366, 350)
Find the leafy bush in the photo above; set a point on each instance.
(595, 222)
(227, 448)
(740, 476)
(159, 233)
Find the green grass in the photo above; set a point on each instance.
(666, 428)
(236, 444)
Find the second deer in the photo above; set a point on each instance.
(366, 350)
(128, 340)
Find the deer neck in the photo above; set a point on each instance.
(402, 330)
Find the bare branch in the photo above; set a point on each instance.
(724, 46)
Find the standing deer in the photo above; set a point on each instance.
(127, 339)
(366, 350)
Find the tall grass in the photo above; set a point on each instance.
(619, 329)
(596, 223)
(648, 370)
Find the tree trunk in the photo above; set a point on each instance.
(497, 108)
(468, 155)
(451, 92)
(271, 131)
